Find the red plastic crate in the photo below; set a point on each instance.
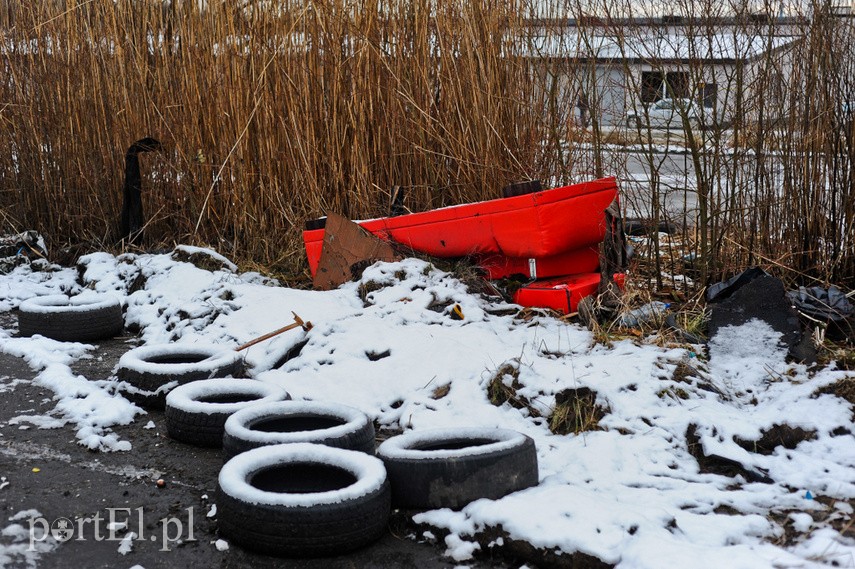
(585, 260)
(561, 294)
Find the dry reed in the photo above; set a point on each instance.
(276, 112)
(269, 116)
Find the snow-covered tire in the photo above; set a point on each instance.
(325, 423)
(196, 412)
(146, 374)
(71, 319)
(303, 500)
(448, 468)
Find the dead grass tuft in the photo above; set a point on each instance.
(269, 117)
(367, 288)
(683, 372)
(199, 259)
(782, 435)
(842, 355)
(576, 411)
(674, 393)
(503, 388)
(440, 391)
(843, 388)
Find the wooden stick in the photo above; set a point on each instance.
(298, 322)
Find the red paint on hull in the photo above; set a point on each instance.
(539, 225)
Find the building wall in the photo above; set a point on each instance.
(619, 87)
(617, 80)
(727, 88)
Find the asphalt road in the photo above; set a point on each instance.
(48, 471)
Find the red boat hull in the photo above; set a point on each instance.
(540, 225)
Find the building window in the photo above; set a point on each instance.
(651, 86)
(677, 83)
(709, 93)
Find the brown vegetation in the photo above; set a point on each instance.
(272, 113)
(269, 116)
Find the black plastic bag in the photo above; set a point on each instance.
(723, 290)
(829, 305)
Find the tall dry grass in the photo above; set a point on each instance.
(274, 112)
(269, 115)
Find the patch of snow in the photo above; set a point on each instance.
(191, 250)
(90, 406)
(25, 282)
(40, 352)
(827, 548)
(15, 548)
(149, 425)
(10, 385)
(25, 515)
(221, 545)
(39, 421)
(844, 507)
(212, 512)
(459, 549)
(127, 543)
(801, 521)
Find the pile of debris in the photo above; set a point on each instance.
(564, 249)
(20, 248)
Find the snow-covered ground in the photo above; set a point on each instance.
(630, 493)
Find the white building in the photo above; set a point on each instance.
(624, 65)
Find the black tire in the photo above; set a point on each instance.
(448, 468)
(521, 188)
(146, 374)
(196, 412)
(324, 423)
(303, 500)
(71, 319)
